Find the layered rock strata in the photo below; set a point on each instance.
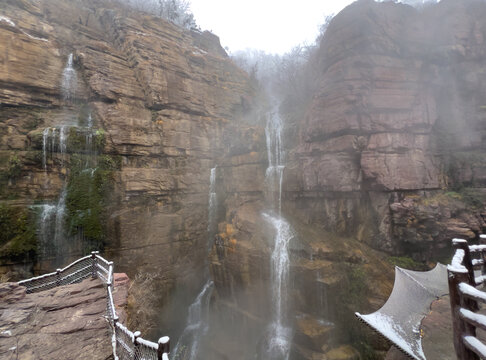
(391, 148)
(163, 101)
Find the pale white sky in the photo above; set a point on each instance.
(274, 26)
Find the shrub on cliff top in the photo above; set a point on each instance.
(175, 11)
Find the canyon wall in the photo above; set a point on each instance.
(387, 158)
(391, 148)
(160, 98)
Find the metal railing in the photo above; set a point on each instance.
(126, 345)
(465, 298)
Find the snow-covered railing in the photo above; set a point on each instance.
(127, 345)
(464, 297)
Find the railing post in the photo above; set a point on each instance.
(93, 265)
(58, 277)
(136, 335)
(482, 241)
(111, 268)
(164, 347)
(115, 345)
(459, 327)
(462, 244)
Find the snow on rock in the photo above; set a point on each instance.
(33, 37)
(7, 20)
(11, 23)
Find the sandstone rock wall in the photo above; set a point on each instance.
(163, 99)
(389, 153)
(397, 121)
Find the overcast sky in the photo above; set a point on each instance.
(274, 26)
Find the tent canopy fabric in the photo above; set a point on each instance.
(399, 319)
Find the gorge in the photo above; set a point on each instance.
(252, 224)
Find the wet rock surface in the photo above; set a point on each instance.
(396, 114)
(165, 100)
(389, 153)
(66, 322)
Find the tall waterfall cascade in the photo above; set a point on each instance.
(52, 228)
(197, 324)
(280, 332)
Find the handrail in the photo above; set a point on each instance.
(21, 282)
(464, 298)
(126, 345)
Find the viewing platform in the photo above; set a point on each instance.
(74, 313)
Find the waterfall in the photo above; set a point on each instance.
(212, 208)
(45, 138)
(68, 84)
(62, 142)
(197, 324)
(59, 233)
(275, 154)
(90, 121)
(55, 244)
(279, 329)
(53, 134)
(50, 144)
(46, 228)
(51, 231)
(89, 140)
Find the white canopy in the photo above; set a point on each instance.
(399, 319)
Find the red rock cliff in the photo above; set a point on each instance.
(391, 148)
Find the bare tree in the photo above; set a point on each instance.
(175, 11)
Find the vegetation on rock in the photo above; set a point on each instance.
(17, 233)
(86, 200)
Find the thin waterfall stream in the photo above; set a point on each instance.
(197, 324)
(69, 80)
(280, 332)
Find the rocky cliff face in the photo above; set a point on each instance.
(160, 99)
(388, 154)
(391, 149)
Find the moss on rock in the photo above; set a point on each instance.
(18, 240)
(86, 200)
